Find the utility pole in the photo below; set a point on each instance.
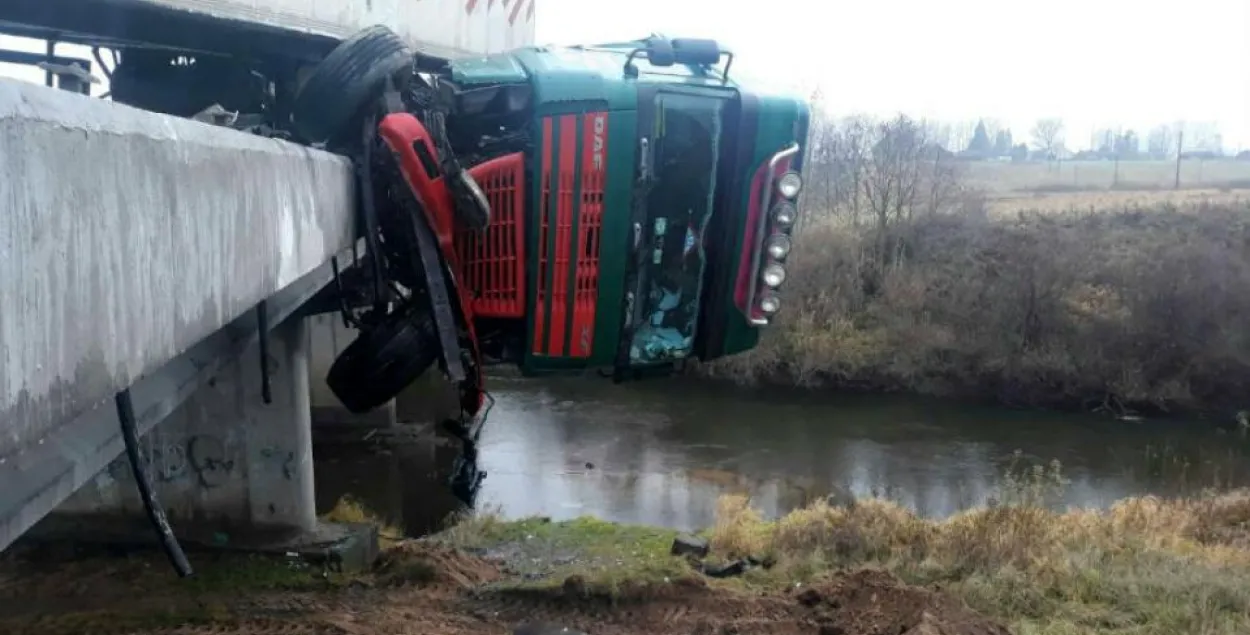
(1180, 144)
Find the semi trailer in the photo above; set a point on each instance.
(617, 208)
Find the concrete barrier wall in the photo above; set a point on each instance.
(127, 236)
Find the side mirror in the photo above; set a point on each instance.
(696, 51)
(661, 52)
(690, 51)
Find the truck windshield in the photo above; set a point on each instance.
(685, 142)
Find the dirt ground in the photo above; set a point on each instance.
(424, 589)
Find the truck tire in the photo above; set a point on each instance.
(382, 361)
(343, 83)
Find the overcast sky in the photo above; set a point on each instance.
(1092, 62)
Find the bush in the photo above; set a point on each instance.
(1136, 307)
(1146, 566)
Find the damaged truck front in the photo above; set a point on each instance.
(618, 208)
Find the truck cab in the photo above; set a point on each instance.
(652, 181)
(623, 207)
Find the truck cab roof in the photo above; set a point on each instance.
(585, 73)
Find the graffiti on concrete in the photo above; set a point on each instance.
(283, 458)
(208, 460)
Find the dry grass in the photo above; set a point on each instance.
(348, 510)
(1133, 307)
(1145, 566)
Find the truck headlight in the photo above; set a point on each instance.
(779, 246)
(784, 214)
(790, 184)
(774, 275)
(770, 304)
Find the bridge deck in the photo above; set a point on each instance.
(127, 238)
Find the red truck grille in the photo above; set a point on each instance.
(570, 219)
(493, 261)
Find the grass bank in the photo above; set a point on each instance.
(1131, 308)
(1146, 566)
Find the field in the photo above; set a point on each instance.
(1112, 200)
(1002, 178)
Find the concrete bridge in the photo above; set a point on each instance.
(135, 249)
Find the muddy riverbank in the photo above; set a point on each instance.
(1145, 567)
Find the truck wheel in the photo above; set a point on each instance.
(344, 82)
(382, 361)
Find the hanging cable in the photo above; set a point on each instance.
(156, 515)
(262, 326)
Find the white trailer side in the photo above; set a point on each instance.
(295, 28)
(444, 28)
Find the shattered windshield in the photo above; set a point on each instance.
(686, 139)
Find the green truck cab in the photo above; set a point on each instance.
(640, 202)
(665, 173)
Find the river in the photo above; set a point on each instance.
(661, 453)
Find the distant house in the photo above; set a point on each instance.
(935, 151)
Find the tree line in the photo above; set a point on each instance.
(1048, 139)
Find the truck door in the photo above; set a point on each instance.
(680, 146)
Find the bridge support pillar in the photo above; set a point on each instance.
(225, 463)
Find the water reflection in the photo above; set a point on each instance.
(404, 486)
(662, 453)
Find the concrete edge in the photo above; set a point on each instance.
(45, 474)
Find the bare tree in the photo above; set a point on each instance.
(1048, 136)
(836, 164)
(1204, 136)
(893, 178)
(1161, 142)
(820, 178)
(906, 174)
(871, 172)
(961, 134)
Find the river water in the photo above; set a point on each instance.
(662, 452)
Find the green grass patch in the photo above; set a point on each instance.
(583, 555)
(228, 573)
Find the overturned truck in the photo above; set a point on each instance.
(621, 208)
(618, 208)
